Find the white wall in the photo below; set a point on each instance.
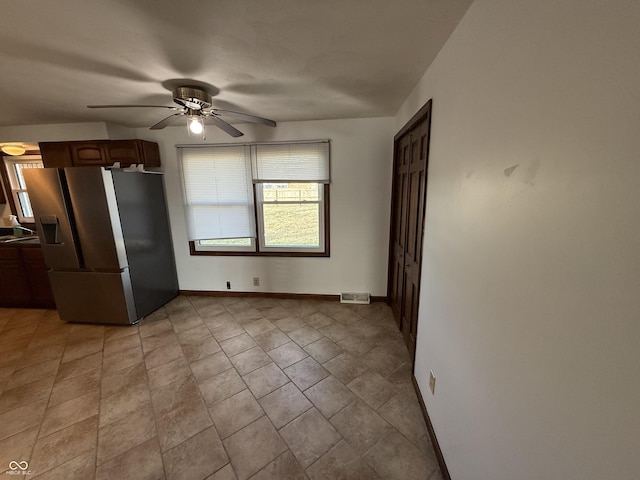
(360, 191)
(55, 132)
(530, 306)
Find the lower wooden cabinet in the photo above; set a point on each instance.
(24, 281)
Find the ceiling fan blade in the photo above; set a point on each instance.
(133, 106)
(244, 116)
(230, 129)
(166, 121)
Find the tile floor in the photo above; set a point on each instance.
(212, 388)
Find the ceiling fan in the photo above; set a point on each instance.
(195, 104)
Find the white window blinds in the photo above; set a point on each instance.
(291, 162)
(218, 192)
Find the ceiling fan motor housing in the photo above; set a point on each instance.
(192, 97)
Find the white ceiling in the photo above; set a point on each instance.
(281, 59)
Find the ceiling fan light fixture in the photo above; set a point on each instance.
(196, 125)
(14, 150)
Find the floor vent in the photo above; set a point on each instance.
(347, 297)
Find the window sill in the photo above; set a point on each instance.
(211, 253)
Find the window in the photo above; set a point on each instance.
(257, 199)
(14, 167)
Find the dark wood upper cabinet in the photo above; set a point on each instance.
(100, 153)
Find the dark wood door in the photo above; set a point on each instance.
(408, 223)
(399, 226)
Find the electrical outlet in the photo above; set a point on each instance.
(432, 382)
(228, 285)
(256, 281)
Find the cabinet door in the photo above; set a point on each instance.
(124, 151)
(14, 284)
(87, 153)
(38, 278)
(150, 153)
(56, 154)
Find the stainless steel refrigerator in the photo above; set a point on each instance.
(106, 240)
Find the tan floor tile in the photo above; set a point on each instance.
(309, 436)
(287, 354)
(335, 331)
(114, 332)
(288, 323)
(223, 385)
(38, 354)
(254, 447)
(123, 379)
(186, 322)
(235, 412)
(247, 316)
(304, 335)
(356, 344)
(194, 335)
(323, 350)
(79, 468)
(220, 319)
(237, 344)
(271, 339)
(79, 350)
(161, 355)
(284, 404)
(64, 445)
(265, 380)
(67, 413)
(182, 423)
(401, 378)
(74, 387)
(360, 426)
(345, 367)
(119, 360)
(26, 394)
(18, 447)
(142, 462)
(196, 457)
(80, 366)
(306, 373)
(225, 473)
(167, 337)
(123, 404)
(182, 392)
(32, 373)
(168, 373)
(372, 388)
(119, 344)
(342, 463)
(124, 434)
(206, 347)
(274, 312)
(383, 360)
(226, 331)
(330, 396)
(283, 467)
(149, 327)
(21, 418)
(395, 458)
(317, 320)
(404, 413)
(258, 327)
(250, 360)
(209, 366)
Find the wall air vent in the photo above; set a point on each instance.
(349, 297)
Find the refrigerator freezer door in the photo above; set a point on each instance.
(93, 297)
(147, 237)
(97, 218)
(53, 222)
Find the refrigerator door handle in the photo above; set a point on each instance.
(50, 228)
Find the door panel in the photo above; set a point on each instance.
(407, 224)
